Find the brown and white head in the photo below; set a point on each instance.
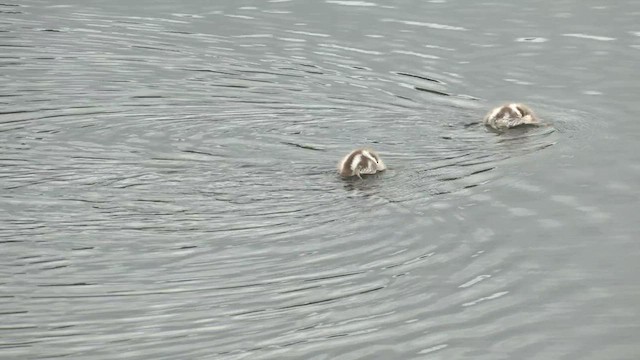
(510, 115)
(360, 162)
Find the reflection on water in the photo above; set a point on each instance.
(169, 182)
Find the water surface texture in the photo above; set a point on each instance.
(169, 190)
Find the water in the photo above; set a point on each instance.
(169, 187)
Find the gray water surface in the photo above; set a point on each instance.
(169, 188)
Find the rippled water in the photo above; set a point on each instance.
(169, 186)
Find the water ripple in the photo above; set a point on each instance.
(169, 188)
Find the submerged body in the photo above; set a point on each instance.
(361, 162)
(509, 116)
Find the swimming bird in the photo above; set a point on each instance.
(360, 162)
(510, 115)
